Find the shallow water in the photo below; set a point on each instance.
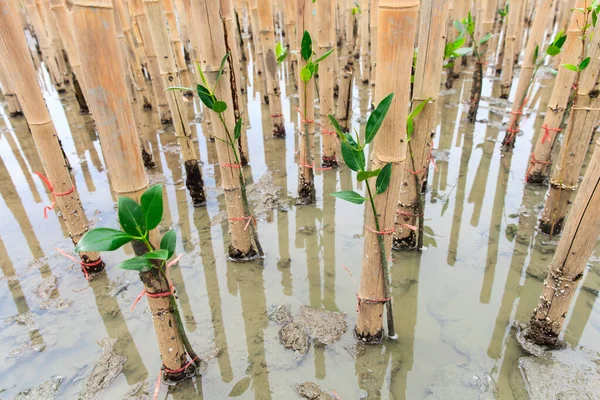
(481, 269)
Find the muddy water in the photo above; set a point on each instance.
(482, 266)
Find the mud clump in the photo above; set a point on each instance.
(45, 391)
(281, 315)
(46, 291)
(108, 367)
(265, 196)
(311, 391)
(322, 327)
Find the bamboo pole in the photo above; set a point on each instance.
(349, 23)
(344, 106)
(259, 64)
(428, 75)
(374, 31)
(267, 43)
(306, 92)
(206, 13)
(15, 55)
(390, 146)
(534, 46)
(176, 44)
(460, 10)
(364, 41)
(497, 41)
(541, 157)
(8, 90)
(572, 254)
(183, 27)
(521, 29)
(62, 18)
(96, 40)
(169, 74)
(137, 12)
(48, 53)
(580, 128)
(326, 42)
(485, 25)
(54, 36)
(510, 47)
(289, 14)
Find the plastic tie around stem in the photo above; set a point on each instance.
(171, 291)
(171, 371)
(547, 130)
(249, 218)
(84, 265)
(54, 194)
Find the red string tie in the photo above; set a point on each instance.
(305, 165)
(230, 165)
(249, 218)
(385, 232)
(172, 371)
(325, 131)
(171, 291)
(84, 265)
(361, 299)
(276, 115)
(303, 119)
(532, 164)
(54, 194)
(547, 130)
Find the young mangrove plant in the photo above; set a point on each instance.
(306, 184)
(353, 152)
(137, 220)
(531, 65)
(467, 27)
(453, 50)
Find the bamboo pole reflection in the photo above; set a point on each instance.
(23, 165)
(582, 310)
(328, 240)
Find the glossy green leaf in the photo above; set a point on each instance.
(102, 239)
(152, 206)
(324, 56)
(305, 74)
(221, 68)
(161, 254)
(219, 106)
(306, 46)
(594, 18)
(560, 39)
(383, 180)
(131, 217)
(354, 159)
(140, 264)
(449, 65)
(552, 50)
(349, 195)
(583, 65)
(485, 39)
(168, 242)
(376, 118)
(336, 126)
(463, 51)
(205, 96)
(419, 109)
(238, 128)
(570, 67)
(410, 128)
(364, 175)
(202, 76)
(536, 53)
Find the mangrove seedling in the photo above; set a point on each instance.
(137, 220)
(452, 51)
(353, 152)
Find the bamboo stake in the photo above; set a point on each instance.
(267, 43)
(390, 146)
(568, 265)
(54, 36)
(8, 90)
(48, 54)
(15, 55)
(306, 92)
(485, 24)
(428, 75)
(96, 40)
(176, 44)
(169, 74)
(364, 41)
(258, 49)
(374, 31)
(344, 107)
(206, 13)
(497, 41)
(534, 46)
(290, 25)
(521, 29)
(326, 42)
(460, 10)
(540, 160)
(349, 23)
(580, 128)
(510, 47)
(137, 9)
(183, 27)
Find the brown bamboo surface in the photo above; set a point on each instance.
(8, 90)
(510, 46)
(15, 55)
(176, 43)
(541, 157)
(54, 36)
(395, 47)
(326, 42)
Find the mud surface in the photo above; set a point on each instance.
(311, 391)
(106, 370)
(321, 327)
(46, 391)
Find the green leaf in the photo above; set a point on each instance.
(179, 88)
(364, 175)
(354, 159)
(418, 109)
(485, 39)
(376, 118)
(459, 26)
(552, 50)
(152, 206)
(306, 46)
(410, 128)
(305, 74)
(221, 68)
(131, 217)
(161, 254)
(560, 39)
(324, 56)
(103, 239)
(462, 51)
(205, 96)
(450, 65)
(337, 127)
(594, 18)
(383, 180)
(583, 65)
(238, 129)
(570, 67)
(140, 264)
(280, 52)
(202, 76)
(219, 106)
(350, 196)
(536, 53)
(168, 242)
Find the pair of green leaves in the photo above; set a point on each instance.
(383, 175)
(410, 123)
(555, 47)
(503, 12)
(145, 262)
(280, 52)
(306, 51)
(578, 68)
